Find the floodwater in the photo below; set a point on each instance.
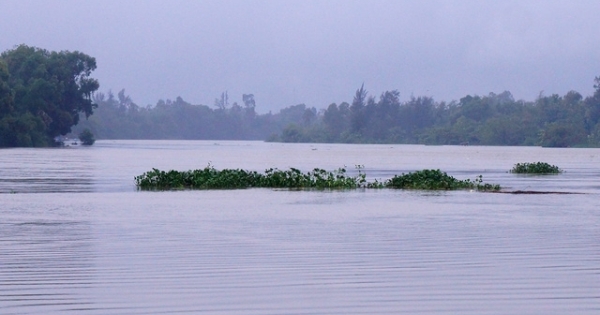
(76, 237)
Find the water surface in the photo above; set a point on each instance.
(77, 237)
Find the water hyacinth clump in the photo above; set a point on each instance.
(210, 178)
(437, 180)
(535, 168)
(207, 178)
(317, 178)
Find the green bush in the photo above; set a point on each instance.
(436, 180)
(87, 137)
(535, 168)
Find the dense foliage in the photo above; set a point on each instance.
(436, 180)
(87, 137)
(494, 119)
(42, 94)
(119, 117)
(210, 178)
(535, 168)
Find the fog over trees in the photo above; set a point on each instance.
(318, 52)
(45, 95)
(493, 119)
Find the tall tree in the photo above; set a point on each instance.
(6, 94)
(357, 119)
(222, 102)
(249, 107)
(248, 100)
(50, 90)
(592, 108)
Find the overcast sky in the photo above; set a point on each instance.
(318, 52)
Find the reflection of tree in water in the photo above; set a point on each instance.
(45, 266)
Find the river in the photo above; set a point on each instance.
(77, 237)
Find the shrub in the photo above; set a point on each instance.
(535, 168)
(87, 137)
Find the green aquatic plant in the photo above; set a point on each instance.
(317, 178)
(207, 178)
(535, 168)
(436, 180)
(481, 186)
(211, 178)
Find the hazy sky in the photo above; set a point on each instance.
(318, 52)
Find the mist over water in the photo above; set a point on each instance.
(318, 52)
(77, 237)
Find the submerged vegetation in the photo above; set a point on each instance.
(211, 178)
(535, 168)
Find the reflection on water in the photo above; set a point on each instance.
(100, 247)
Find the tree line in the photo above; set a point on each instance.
(495, 119)
(45, 95)
(119, 117)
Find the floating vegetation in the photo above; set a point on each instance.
(317, 178)
(210, 178)
(436, 180)
(535, 168)
(207, 178)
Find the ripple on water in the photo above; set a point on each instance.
(83, 241)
